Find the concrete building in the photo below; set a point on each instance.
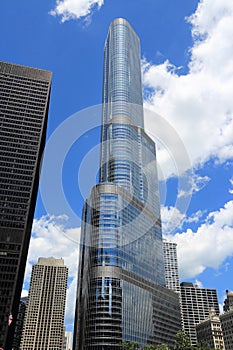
(209, 331)
(196, 303)
(227, 329)
(44, 321)
(68, 339)
(121, 292)
(227, 321)
(228, 302)
(172, 277)
(24, 100)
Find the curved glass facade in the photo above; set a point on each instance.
(122, 87)
(121, 294)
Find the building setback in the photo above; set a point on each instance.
(121, 293)
(24, 100)
(196, 303)
(210, 331)
(44, 321)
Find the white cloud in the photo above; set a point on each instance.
(70, 303)
(231, 189)
(197, 183)
(49, 238)
(75, 9)
(198, 283)
(199, 105)
(209, 246)
(24, 293)
(172, 218)
(195, 217)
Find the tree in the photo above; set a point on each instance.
(149, 347)
(203, 346)
(182, 342)
(156, 347)
(129, 345)
(162, 347)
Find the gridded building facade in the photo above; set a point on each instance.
(24, 99)
(196, 303)
(227, 328)
(227, 321)
(121, 286)
(210, 331)
(172, 277)
(19, 323)
(44, 321)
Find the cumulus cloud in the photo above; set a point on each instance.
(173, 219)
(73, 9)
(195, 217)
(49, 238)
(197, 183)
(208, 246)
(199, 105)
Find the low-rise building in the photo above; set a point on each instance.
(209, 331)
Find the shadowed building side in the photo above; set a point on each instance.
(24, 101)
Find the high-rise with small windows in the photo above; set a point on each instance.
(24, 100)
(121, 293)
(196, 304)
(44, 320)
(172, 277)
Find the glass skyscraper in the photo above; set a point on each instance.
(121, 291)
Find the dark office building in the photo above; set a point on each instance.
(121, 292)
(24, 100)
(19, 323)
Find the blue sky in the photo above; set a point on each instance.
(187, 70)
